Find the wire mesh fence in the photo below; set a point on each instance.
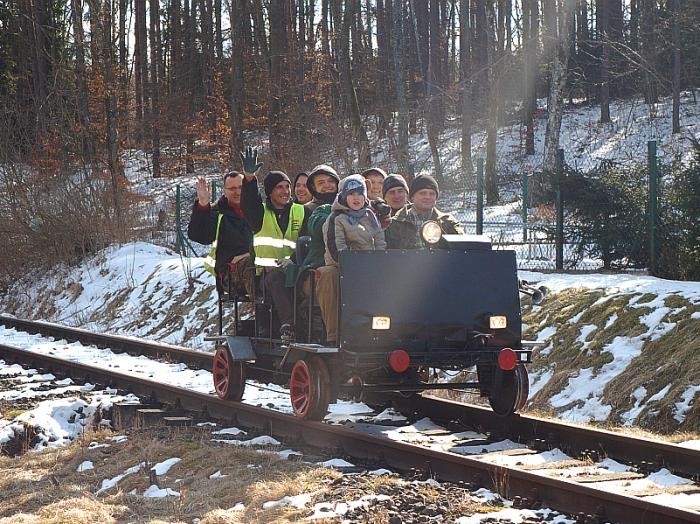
(533, 216)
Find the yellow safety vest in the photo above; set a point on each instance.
(270, 243)
(210, 260)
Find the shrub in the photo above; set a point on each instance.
(606, 215)
(679, 224)
(57, 217)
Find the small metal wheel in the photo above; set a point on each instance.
(310, 388)
(229, 375)
(512, 395)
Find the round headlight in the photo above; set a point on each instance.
(430, 232)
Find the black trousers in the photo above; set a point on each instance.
(281, 295)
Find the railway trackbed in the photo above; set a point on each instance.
(567, 495)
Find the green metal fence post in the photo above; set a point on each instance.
(653, 203)
(560, 211)
(178, 222)
(523, 183)
(213, 191)
(480, 196)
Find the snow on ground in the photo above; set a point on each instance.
(135, 288)
(56, 421)
(423, 432)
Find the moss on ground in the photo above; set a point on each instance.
(671, 359)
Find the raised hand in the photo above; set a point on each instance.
(203, 191)
(249, 158)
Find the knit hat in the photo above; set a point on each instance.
(393, 180)
(349, 185)
(272, 179)
(423, 182)
(374, 171)
(321, 169)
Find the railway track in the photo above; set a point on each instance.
(563, 495)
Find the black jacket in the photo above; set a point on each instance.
(235, 234)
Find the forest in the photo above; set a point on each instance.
(190, 81)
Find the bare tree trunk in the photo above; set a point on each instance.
(298, 64)
(383, 73)
(604, 36)
(584, 54)
(418, 44)
(154, 84)
(175, 70)
(237, 90)
(188, 81)
(434, 95)
(112, 139)
(420, 15)
(94, 18)
(634, 25)
(218, 35)
(81, 80)
(494, 96)
(325, 37)
(555, 103)
(140, 71)
(529, 70)
(649, 50)
(123, 60)
(676, 37)
(350, 95)
(310, 38)
(466, 73)
(208, 52)
(259, 30)
(278, 83)
(398, 41)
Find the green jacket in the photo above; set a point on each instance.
(314, 258)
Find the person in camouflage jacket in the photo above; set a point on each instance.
(404, 230)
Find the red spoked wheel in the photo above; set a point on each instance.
(229, 375)
(310, 388)
(513, 393)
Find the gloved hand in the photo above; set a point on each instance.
(283, 263)
(381, 208)
(249, 158)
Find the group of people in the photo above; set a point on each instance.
(257, 234)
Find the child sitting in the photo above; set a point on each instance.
(353, 226)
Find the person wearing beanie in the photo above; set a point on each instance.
(351, 226)
(423, 182)
(224, 226)
(271, 182)
(404, 231)
(375, 177)
(395, 192)
(277, 224)
(323, 185)
(302, 195)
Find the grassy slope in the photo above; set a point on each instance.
(670, 360)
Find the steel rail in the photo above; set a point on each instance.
(131, 345)
(570, 438)
(561, 495)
